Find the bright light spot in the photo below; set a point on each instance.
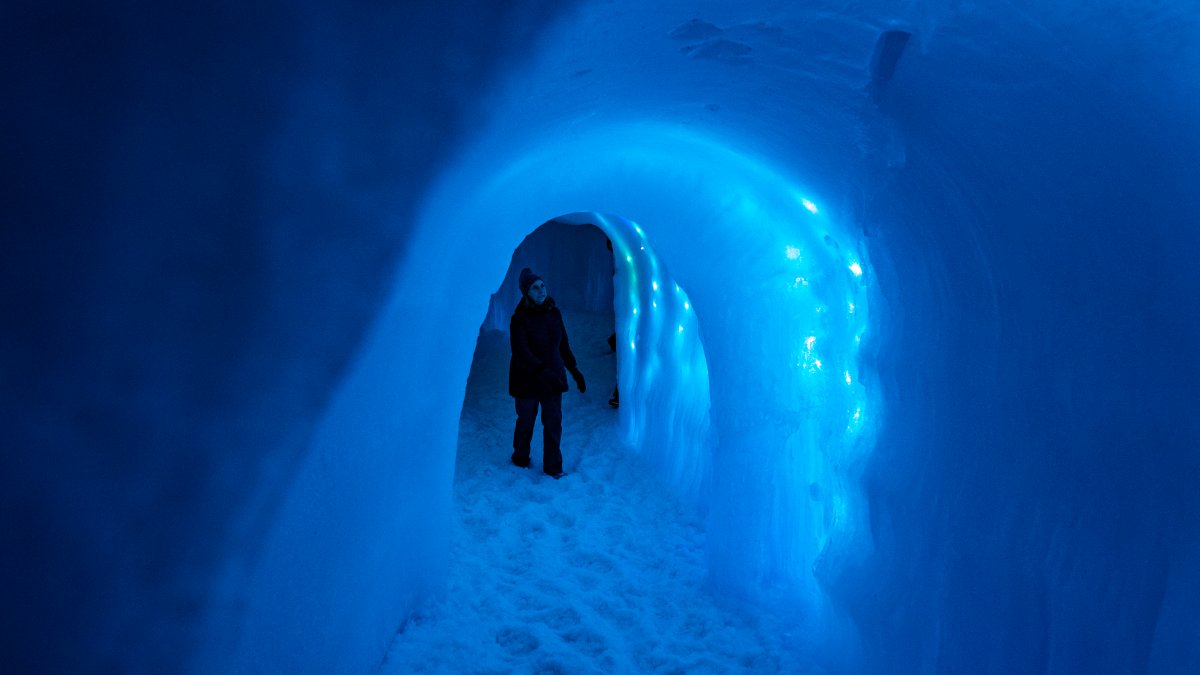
(810, 341)
(817, 362)
(654, 303)
(635, 311)
(855, 420)
(858, 338)
(848, 377)
(851, 307)
(654, 285)
(793, 253)
(812, 208)
(641, 248)
(856, 269)
(629, 258)
(687, 305)
(638, 229)
(820, 308)
(802, 280)
(632, 346)
(681, 328)
(677, 288)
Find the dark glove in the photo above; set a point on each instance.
(579, 380)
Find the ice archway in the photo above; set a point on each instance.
(782, 302)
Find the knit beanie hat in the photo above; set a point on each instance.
(526, 280)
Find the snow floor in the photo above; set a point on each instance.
(602, 571)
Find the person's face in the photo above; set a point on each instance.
(537, 292)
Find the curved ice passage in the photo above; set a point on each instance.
(780, 305)
(242, 379)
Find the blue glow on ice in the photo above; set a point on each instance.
(234, 330)
(664, 382)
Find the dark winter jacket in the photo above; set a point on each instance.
(541, 355)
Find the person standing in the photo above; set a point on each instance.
(537, 372)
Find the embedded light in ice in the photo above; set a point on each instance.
(654, 285)
(848, 377)
(810, 341)
(793, 253)
(856, 269)
(812, 208)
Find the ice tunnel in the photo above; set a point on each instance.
(904, 291)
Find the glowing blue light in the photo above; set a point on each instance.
(793, 253)
(687, 305)
(680, 328)
(635, 311)
(851, 307)
(812, 208)
(855, 420)
(654, 285)
(629, 258)
(848, 381)
(810, 341)
(856, 269)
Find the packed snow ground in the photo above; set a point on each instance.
(600, 572)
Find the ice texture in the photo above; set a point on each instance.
(932, 403)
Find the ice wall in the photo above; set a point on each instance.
(232, 392)
(662, 369)
(203, 206)
(1031, 499)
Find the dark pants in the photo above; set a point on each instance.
(527, 410)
